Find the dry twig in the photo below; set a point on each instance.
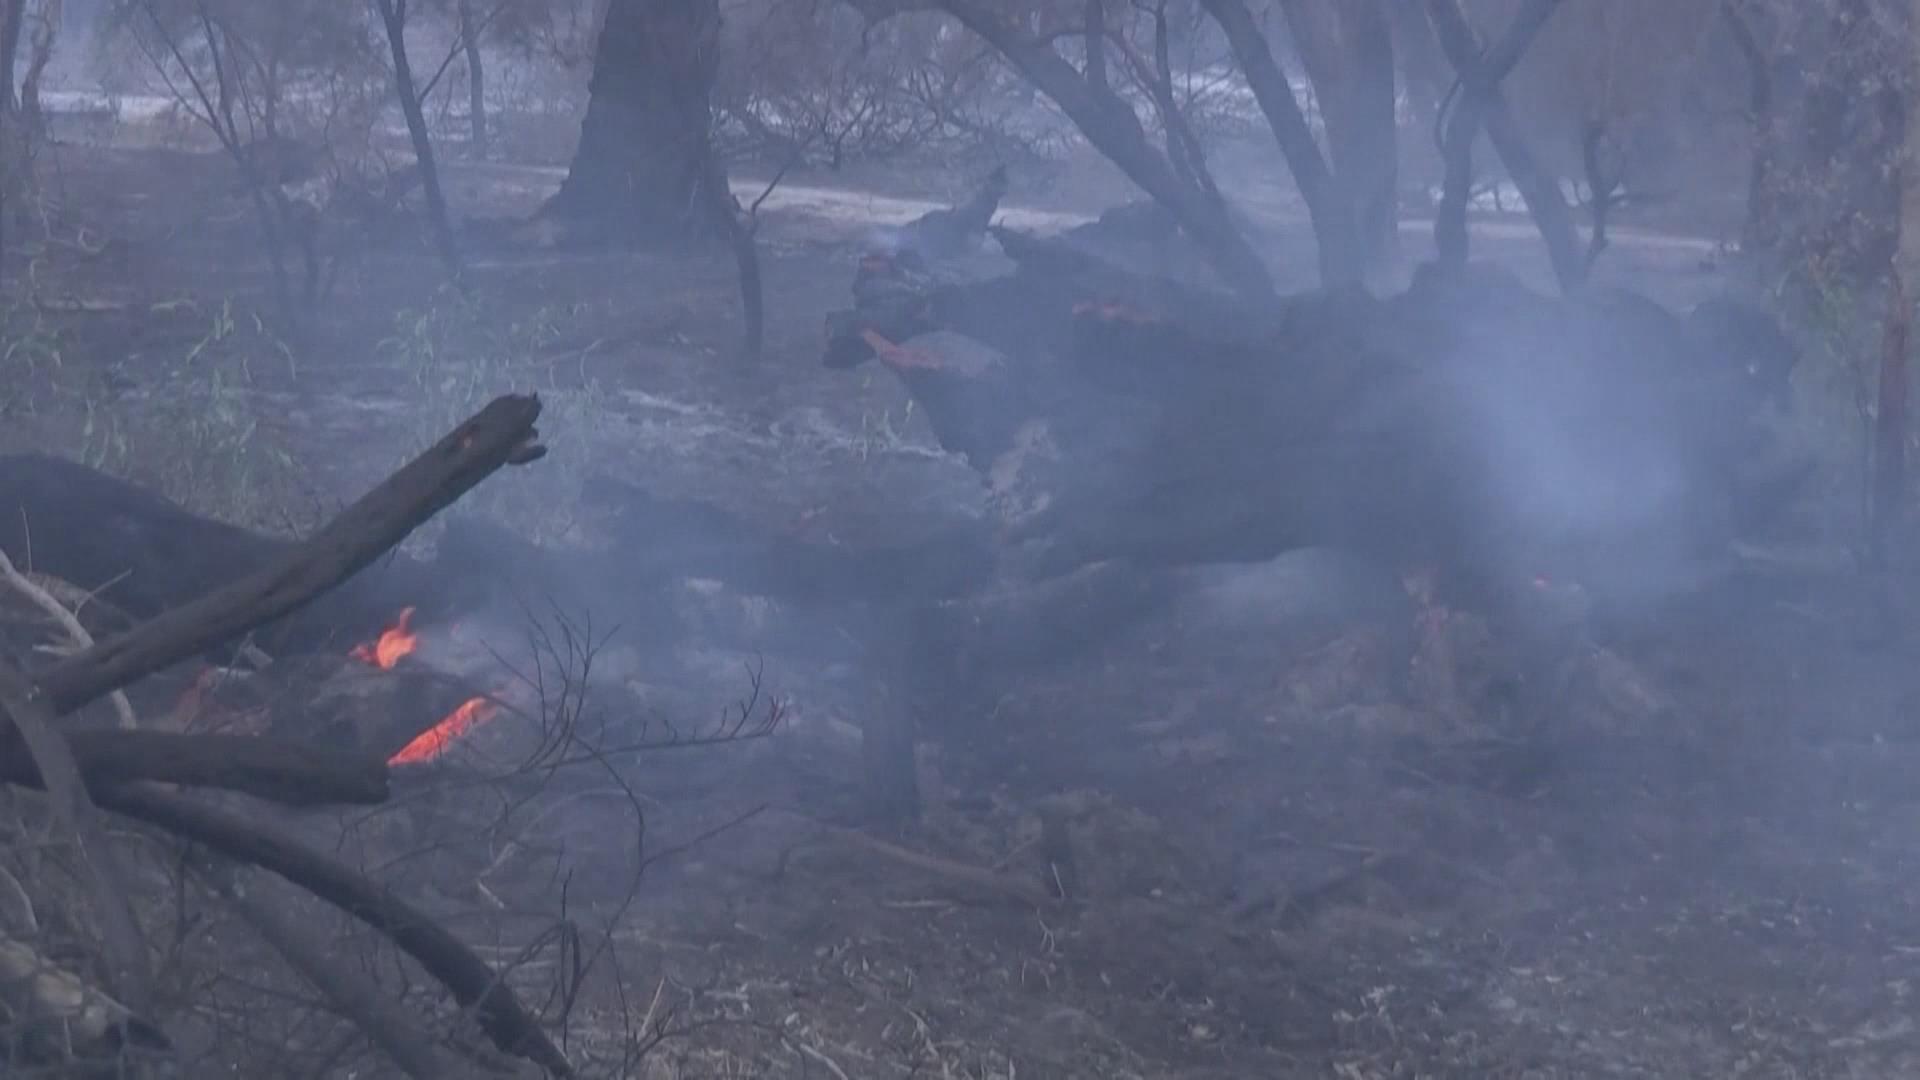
(52, 758)
(68, 621)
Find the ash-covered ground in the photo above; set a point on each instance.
(1223, 842)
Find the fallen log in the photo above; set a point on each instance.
(140, 555)
(1470, 423)
(288, 772)
(500, 434)
(661, 539)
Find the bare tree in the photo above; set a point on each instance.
(1479, 101)
(1110, 124)
(393, 16)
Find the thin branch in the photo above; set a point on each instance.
(471, 981)
(77, 633)
(412, 1049)
(126, 952)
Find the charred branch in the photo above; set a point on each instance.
(52, 760)
(410, 1048)
(284, 771)
(1109, 123)
(500, 434)
(471, 981)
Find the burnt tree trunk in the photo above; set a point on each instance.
(1347, 50)
(643, 157)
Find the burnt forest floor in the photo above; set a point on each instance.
(1276, 870)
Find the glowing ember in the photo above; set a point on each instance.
(434, 741)
(395, 642)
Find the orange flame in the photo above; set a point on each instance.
(434, 741)
(395, 642)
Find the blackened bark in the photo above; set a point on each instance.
(643, 155)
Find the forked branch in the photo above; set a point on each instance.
(500, 434)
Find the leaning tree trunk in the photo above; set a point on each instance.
(1327, 208)
(393, 14)
(643, 152)
(1483, 103)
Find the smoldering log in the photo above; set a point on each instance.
(663, 538)
(288, 772)
(336, 704)
(1470, 423)
(657, 544)
(145, 554)
(500, 434)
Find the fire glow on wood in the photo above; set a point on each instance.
(434, 741)
(396, 642)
